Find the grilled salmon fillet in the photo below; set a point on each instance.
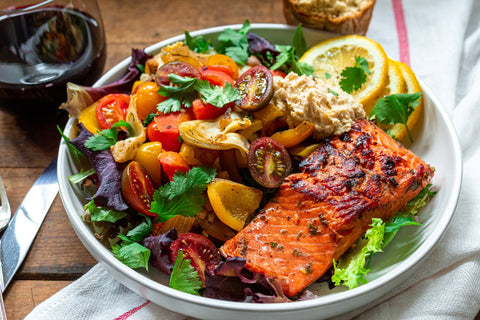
(319, 213)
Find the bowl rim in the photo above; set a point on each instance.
(404, 266)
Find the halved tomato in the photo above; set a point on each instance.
(255, 87)
(111, 108)
(201, 252)
(268, 162)
(147, 99)
(182, 69)
(137, 188)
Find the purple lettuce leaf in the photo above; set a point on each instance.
(231, 281)
(260, 46)
(80, 97)
(109, 173)
(160, 250)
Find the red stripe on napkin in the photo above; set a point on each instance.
(131, 312)
(401, 31)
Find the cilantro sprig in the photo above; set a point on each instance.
(184, 277)
(353, 78)
(185, 89)
(103, 214)
(104, 139)
(183, 195)
(235, 43)
(396, 108)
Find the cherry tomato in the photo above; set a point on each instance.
(176, 67)
(216, 77)
(278, 73)
(137, 188)
(224, 60)
(255, 86)
(147, 99)
(147, 156)
(268, 162)
(218, 67)
(111, 109)
(204, 111)
(164, 128)
(201, 252)
(171, 163)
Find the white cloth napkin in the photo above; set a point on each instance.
(440, 39)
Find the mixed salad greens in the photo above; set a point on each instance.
(164, 219)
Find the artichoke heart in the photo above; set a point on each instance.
(124, 150)
(219, 134)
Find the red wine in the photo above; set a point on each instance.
(42, 50)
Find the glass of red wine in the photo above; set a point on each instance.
(44, 45)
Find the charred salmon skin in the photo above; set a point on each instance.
(319, 213)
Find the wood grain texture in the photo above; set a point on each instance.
(29, 138)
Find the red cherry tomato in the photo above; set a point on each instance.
(182, 69)
(278, 73)
(164, 128)
(201, 252)
(171, 163)
(137, 188)
(255, 87)
(268, 162)
(204, 111)
(111, 108)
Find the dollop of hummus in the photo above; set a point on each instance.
(301, 98)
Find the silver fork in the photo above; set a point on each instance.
(5, 215)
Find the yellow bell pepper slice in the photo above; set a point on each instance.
(294, 136)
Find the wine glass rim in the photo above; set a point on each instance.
(28, 7)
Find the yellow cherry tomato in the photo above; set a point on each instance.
(147, 99)
(147, 156)
(89, 119)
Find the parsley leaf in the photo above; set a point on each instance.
(104, 139)
(396, 108)
(184, 277)
(197, 44)
(353, 78)
(182, 196)
(181, 93)
(103, 214)
(215, 95)
(131, 253)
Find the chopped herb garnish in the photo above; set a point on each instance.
(184, 277)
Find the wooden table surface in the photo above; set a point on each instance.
(29, 140)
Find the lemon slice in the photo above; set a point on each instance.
(410, 85)
(233, 202)
(395, 82)
(330, 57)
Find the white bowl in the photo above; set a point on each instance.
(436, 143)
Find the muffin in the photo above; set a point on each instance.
(342, 16)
